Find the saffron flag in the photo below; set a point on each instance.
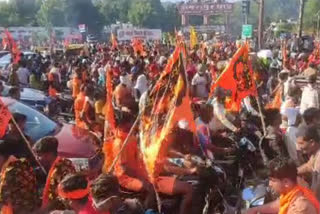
(13, 47)
(138, 47)
(237, 78)
(193, 38)
(277, 100)
(5, 42)
(110, 124)
(5, 117)
(158, 116)
(114, 41)
(284, 54)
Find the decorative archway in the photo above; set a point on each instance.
(205, 8)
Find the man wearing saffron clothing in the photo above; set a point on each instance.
(78, 106)
(129, 169)
(18, 191)
(75, 191)
(294, 199)
(57, 168)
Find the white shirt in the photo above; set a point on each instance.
(200, 82)
(126, 80)
(56, 71)
(220, 121)
(142, 84)
(248, 106)
(290, 141)
(142, 101)
(23, 75)
(309, 99)
(287, 84)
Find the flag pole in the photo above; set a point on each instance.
(28, 145)
(126, 141)
(264, 129)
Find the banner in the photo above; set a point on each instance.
(144, 34)
(82, 28)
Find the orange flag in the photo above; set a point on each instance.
(5, 117)
(237, 77)
(13, 47)
(284, 54)
(167, 97)
(138, 47)
(114, 41)
(110, 124)
(277, 100)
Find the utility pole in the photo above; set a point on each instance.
(245, 10)
(318, 24)
(301, 12)
(260, 28)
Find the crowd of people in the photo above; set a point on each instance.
(289, 108)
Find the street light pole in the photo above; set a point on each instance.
(318, 25)
(301, 13)
(260, 28)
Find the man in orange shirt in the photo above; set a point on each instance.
(129, 169)
(122, 95)
(54, 79)
(78, 106)
(76, 83)
(294, 199)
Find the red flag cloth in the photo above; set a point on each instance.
(5, 117)
(284, 54)
(13, 47)
(110, 125)
(238, 77)
(109, 116)
(138, 47)
(66, 42)
(167, 98)
(5, 42)
(114, 41)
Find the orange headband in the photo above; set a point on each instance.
(73, 195)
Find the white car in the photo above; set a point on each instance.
(6, 59)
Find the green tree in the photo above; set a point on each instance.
(52, 13)
(281, 9)
(312, 7)
(17, 13)
(8, 14)
(171, 19)
(139, 12)
(113, 10)
(83, 12)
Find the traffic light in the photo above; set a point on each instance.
(246, 6)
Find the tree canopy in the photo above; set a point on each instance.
(143, 13)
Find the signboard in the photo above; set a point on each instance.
(82, 28)
(206, 28)
(246, 31)
(205, 8)
(145, 34)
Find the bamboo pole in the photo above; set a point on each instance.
(28, 145)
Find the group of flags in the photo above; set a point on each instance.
(8, 43)
(168, 101)
(168, 96)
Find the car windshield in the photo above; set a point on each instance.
(37, 125)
